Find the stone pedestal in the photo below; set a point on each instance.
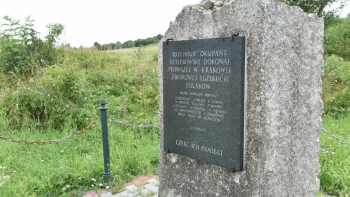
(284, 64)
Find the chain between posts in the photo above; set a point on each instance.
(151, 125)
(126, 124)
(339, 139)
(51, 141)
(132, 125)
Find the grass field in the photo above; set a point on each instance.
(151, 47)
(69, 168)
(129, 84)
(127, 79)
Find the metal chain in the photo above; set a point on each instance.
(132, 125)
(51, 141)
(123, 123)
(339, 139)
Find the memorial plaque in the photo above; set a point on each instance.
(204, 100)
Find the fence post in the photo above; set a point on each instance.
(107, 174)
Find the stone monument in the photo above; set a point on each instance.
(282, 102)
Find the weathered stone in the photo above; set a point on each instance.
(284, 51)
(218, 3)
(206, 4)
(201, 7)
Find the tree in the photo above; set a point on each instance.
(97, 45)
(119, 45)
(317, 7)
(128, 44)
(159, 36)
(112, 46)
(338, 39)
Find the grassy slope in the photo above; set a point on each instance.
(151, 47)
(48, 170)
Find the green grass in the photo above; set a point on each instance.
(150, 47)
(130, 87)
(149, 52)
(48, 169)
(335, 156)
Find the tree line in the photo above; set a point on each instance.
(128, 44)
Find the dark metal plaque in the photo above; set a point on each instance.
(204, 100)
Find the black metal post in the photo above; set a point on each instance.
(107, 174)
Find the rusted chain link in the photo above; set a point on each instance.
(51, 141)
(339, 139)
(132, 125)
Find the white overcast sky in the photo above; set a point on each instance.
(104, 21)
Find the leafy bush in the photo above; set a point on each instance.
(337, 38)
(22, 51)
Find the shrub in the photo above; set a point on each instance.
(337, 38)
(22, 50)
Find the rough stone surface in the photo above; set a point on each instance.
(207, 4)
(283, 109)
(218, 3)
